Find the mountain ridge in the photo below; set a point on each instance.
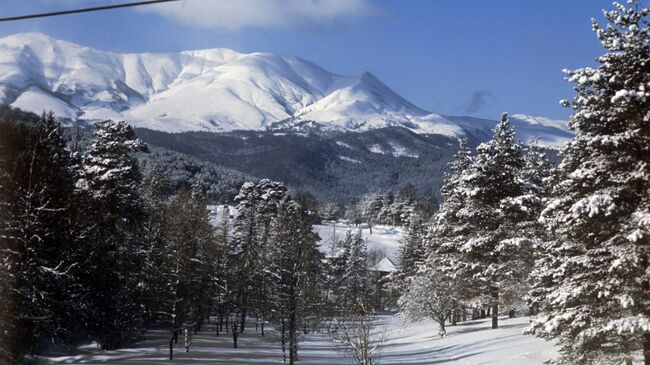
(219, 90)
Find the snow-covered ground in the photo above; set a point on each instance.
(386, 239)
(472, 342)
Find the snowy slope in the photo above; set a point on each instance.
(216, 90)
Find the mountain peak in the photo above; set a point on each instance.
(27, 37)
(215, 89)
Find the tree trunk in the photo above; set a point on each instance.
(293, 342)
(454, 316)
(283, 339)
(243, 319)
(645, 285)
(495, 308)
(234, 335)
(646, 348)
(482, 313)
(171, 347)
(511, 313)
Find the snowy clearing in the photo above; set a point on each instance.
(472, 342)
(384, 238)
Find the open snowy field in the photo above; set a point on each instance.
(386, 239)
(472, 342)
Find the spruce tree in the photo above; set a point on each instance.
(592, 282)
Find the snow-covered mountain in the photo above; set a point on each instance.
(217, 90)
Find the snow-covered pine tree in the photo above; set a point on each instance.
(356, 290)
(115, 256)
(9, 144)
(244, 247)
(449, 230)
(334, 271)
(384, 216)
(481, 234)
(354, 213)
(537, 172)
(498, 250)
(203, 236)
(447, 225)
(38, 238)
(270, 193)
(110, 170)
(371, 205)
(437, 288)
(294, 265)
(412, 251)
(328, 211)
(592, 284)
(222, 278)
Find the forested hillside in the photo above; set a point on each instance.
(343, 167)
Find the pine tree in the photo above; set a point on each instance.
(356, 288)
(412, 251)
(295, 270)
(244, 246)
(591, 283)
(39, 262)
(481, 231)
(222, 278)
(498, 251)
(271, 193)
(115, 256)
(189, 255)
(450, 229)
(371, 205)
(205, 255)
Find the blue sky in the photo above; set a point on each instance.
(458, 57)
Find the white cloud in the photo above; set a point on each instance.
(236, 14)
